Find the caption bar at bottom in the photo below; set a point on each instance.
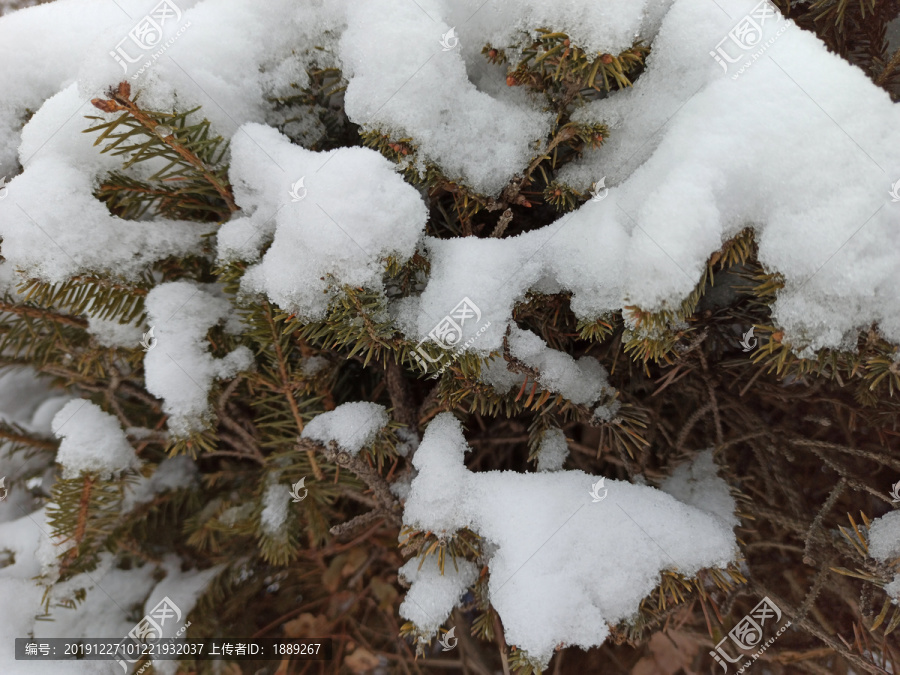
(104, 649)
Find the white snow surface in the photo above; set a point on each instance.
(351, 425)
(111, 333)
(564, 566)
(352, 211)
(179, 369)
(884, 537)
(553, 451)
(172, 473)
(598, 27)
(52, 226)
(698, 484)
(432, 596)
(92, 441)
(405, 83)
(582, 381)
(276, 499)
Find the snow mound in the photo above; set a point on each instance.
(884, 537)
(433, 596)
(409, 83)
(334, 216)
(697, 484)
(179, 368)
(351, 425)
(92, 441)
(563, 566)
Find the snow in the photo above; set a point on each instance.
(893, 588)
(409, 441)
(698, 484)
(351, 425)
(92, 442)
(73, 233)
(553, 451)
(693, 157)
(564, 566)
(180, 370)
(23, 399)
(582, 381)
(433, 596)
(405, 84)
(113, 596)
(313, 365)
(29, 403)
(607, 27)
(884, 546)
(353, 212)
(884, 537)
(111, 333)
(22, 598)
(728, 156)
(173, 473)
(796, 143)
(276, 499)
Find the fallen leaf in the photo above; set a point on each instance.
(307, 626)
(361, 661)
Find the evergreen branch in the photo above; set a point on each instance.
(120, 100)
(38, 313)
(286, 387)
(388, 504)
(106, 298)
(15, 436)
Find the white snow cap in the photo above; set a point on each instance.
(351, 425)
(335, 217)
(92, 441)
(179, 369)
(53, 227)
(884, 537)
(432, 596)
(563, 566)
(884, 546)
(402, 80)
